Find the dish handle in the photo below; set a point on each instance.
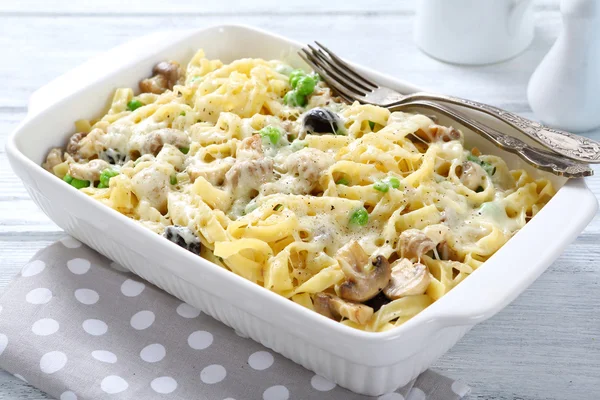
(501, 279)
(100, 66)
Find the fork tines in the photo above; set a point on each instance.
(340, 76)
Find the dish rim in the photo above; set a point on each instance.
(431, 316)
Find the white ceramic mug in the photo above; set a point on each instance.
(474, 31)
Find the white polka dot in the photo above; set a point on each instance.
(276, 393)
(70, 243)
(142, 320)
(3, 343)
(460, 388)
(45, 327)
(33, 268)
(118, 267)
(391, 396)
(113, 384)
(104, 356)
(187, 311)
(261, 360)
(87, 296)
(164, 385)
(53, 362)
(68, 395)
(95, 327)
(213, 374)
(200, 340)
(153, 353)
(321, 384)
(21, 378)
(39, 296)
(131, 288)
(78, 266)
(416, 394)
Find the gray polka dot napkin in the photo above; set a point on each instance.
(79, 327)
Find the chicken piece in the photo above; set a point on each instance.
(308, 164)
(365, 277)
(165, 76)
(154, 141)
(408, 279)
(472, 175)
(246, 177)
(152, 184)
(251, 169)
(89, 171)
(53, 159)
(335, 308)
(250, 149)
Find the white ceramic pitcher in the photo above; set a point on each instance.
(474, 31)
(563, 90)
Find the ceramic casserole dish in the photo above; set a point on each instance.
(364, 362)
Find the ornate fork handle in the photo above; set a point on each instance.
(567, 144)
(539, 158)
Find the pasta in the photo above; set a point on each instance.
(362, 215)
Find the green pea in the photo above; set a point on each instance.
(182, 113)
(474, 159)
(295, 76)
(342, 181)
(106, 175)
(134, 104)
(487, 167)
(371, 125)
(394, 182)
(359, 217)
(294, 99)
(79, 183)
(184, 150)
(271, 132)
(381, 186)
(68, 178)
(305, 85)
(173, 179)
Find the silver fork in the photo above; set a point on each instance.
(351, 85)
(539, 158)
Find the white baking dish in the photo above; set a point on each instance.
(368, 363)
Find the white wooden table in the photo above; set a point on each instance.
(546, 345)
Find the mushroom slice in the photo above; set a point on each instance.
(365, 277)
(166, 74)
(408, 279)
(335, 308)
(414, 243)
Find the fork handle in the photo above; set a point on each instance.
(539, 158)
(564, 143)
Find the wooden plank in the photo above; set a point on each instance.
(12, 388)
(225, 7)
(68, 42)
